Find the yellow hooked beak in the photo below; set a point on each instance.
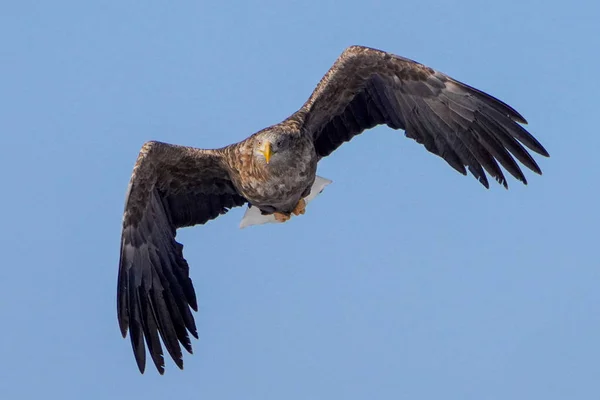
(266, 150)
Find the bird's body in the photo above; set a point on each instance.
(280, 184)
(174, 186)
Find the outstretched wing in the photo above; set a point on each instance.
(466, 127)
(171, 187)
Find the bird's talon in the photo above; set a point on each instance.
(300, 207)
(281, 217)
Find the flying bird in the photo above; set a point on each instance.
(274, 169)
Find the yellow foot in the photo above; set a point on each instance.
(280, 217)
(300, 207)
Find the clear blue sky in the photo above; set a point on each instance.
(403, 280)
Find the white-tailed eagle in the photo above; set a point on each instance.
(274, 169)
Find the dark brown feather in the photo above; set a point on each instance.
(434, 109)
(171, 187)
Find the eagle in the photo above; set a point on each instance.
(274, 170)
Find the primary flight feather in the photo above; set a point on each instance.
(274, 169)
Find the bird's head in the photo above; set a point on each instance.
(272, 147)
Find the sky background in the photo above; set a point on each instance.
(403, 280)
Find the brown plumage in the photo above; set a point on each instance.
(174, 186)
